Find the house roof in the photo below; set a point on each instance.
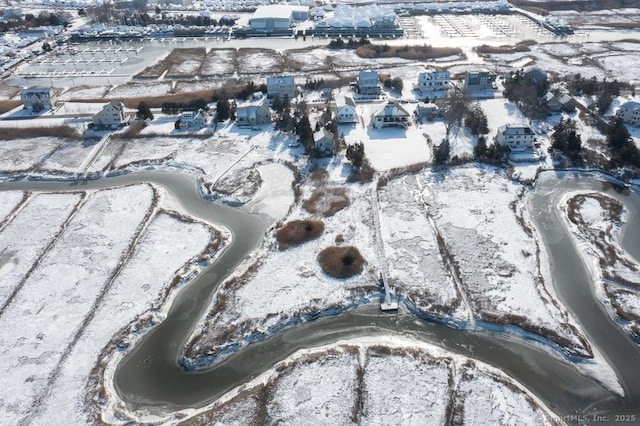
(115, 104)
(548, 97)
(392, 109)
(632, 105)
(277, 11)
(322, 134)
(565, 98)
(288, 79)
(345, 100)
(30, 90)
(510, 129)
(367, 75)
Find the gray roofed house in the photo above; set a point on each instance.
(281, 86)
(253, 113)
(517, 137)
(323, 142)
(391, 115)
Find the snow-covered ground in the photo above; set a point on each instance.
(376, 381)
(94, 263)
(596, 221)
(480, 214)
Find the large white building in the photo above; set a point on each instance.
(630, 113)
(277, 17)
(281, 87)
(433, 81)
(517, 138)
(36, 99)
(112, 116)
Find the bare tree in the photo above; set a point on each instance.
(454, 106)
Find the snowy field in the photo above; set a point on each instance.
(387, 381)
(288, 284)
(96, 261)
(497, 259)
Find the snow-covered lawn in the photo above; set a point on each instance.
(60, 294)
(378, 382)
(68, 157)
(132, 90)
(252, 61)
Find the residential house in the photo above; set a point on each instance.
(36, 99)
(552, 102)
(432, 81)
(480, 80)
(630, 113)
(253, 113)
(345, 110)
(112, 116)
(324, 143)
(281, 87)
(517, 138)
(428, 111)
(193, 119)
(391, 115)
(567, 103)
(368, 84)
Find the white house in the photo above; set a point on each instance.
(253, 113)
(111, 116)
(630, 113)
(345, 110)
(323, 143)
(277, 17)
(193, 119)
(281, 87)
(428, 111)
(368, 84)
(433, 81)
(36, 99)
(391, 115)
(517, 138)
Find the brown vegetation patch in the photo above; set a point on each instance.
(6, 106)
(522, 46)
(341, 262)
(406, 52)
(36, 132)
(192, 56)
(173, 60)
(297, 232)
(326, 201)
(219, 62)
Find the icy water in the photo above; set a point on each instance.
(149, 377)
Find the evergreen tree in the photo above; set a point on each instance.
(476, 120)
(223, 110)
(144, 112)
(480, 150)
(617, 133)
(441, 152)
(355, 154)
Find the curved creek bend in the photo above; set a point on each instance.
(149, 377)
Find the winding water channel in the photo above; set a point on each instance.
(149, 377)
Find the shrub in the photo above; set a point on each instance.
(327, 201)
(341, 262)
(297, 232)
